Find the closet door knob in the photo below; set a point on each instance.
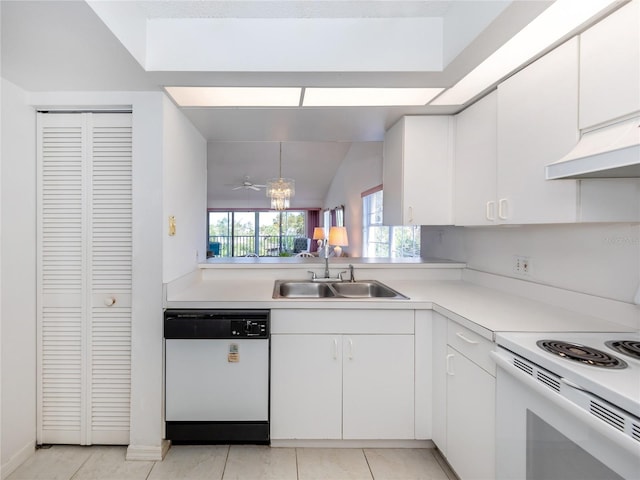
(109, 301)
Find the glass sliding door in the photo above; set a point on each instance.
(265, 233)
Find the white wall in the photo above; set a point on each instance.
(597, 259)
(184, 193)
(360, 170)
(18, 280)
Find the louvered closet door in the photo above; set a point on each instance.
(84, 308)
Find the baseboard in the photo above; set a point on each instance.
(17, 459)
(148, 453)
(353, 443)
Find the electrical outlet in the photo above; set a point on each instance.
(521, 265)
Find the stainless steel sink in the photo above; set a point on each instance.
(368, 289)
(302, 289)
(334, 289)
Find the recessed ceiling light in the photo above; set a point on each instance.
(235, 96)
(364, 97)
(553, 24)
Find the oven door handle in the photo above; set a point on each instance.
(610, 433)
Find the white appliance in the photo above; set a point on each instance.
(568, 406)
(217, 376)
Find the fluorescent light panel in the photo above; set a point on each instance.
(290, 97)
(235, 96)
(550, 26)
(363, 97)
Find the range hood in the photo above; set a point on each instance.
(608, 152)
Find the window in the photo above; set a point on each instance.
(264, 233)
(382, 240)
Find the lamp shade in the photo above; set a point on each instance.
(318, 233)
(338, 236)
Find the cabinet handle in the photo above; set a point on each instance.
(503, 211)
(335, 349)
(449, 364)
(410, 214)
(468, 340)
(490, 211)
(350, 349)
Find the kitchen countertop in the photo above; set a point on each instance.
(482, 309)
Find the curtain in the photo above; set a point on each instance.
(313, 221)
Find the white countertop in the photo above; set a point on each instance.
(484, 310)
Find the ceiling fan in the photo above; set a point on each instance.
(246, 184)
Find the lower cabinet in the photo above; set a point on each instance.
(464, 403)
(470, 418)
(306, 386)
(343, 385)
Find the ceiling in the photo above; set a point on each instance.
(119, 45)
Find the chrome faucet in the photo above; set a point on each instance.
(326, 262)
(352, 278)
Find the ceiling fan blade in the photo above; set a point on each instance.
(237, 187)
(253, 187)
(260, 186)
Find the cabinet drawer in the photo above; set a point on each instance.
(471, 345)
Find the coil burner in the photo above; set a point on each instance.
(581, 353)
(630, 348)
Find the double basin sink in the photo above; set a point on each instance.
(334, 289)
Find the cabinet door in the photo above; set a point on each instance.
(440, 382)
(537, 125)
(84, 278)
(610, 67)
(428, 170)
(378, 387)
(418, 171)
(306, 387)
(475, 163)
(470, 418)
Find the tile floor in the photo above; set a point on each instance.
(235, 463)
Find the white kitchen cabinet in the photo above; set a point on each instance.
(378, 387)
(418, 171)
(464, 399)
(470, 418)
(439, 375)
(84, 278)
(610, 67)
(476, 148)
(306, 386)
(328, 381)
(537, 125)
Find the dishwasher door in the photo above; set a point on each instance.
(217, 380)
(217, 376)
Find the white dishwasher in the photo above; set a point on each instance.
(217, 376)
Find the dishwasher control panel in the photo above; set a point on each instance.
(211, 324)
(249, 328)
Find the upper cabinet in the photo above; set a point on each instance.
(418, 171)
(504, 141)
(610, 67)
(537, 125)
(476, 162)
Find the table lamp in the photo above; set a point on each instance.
(338, 239)
(318, 234)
